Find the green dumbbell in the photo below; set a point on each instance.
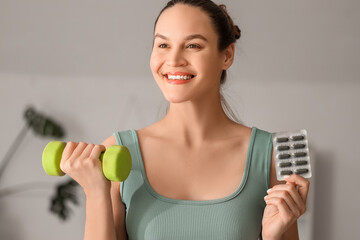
(116, 161)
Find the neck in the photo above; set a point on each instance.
(195, 122)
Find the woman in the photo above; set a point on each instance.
(196, 173)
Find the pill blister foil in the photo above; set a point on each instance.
(291, 152)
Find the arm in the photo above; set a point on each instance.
(285, 204)
(119, 211)
(292, 232)
(99, 222)
(112, 210)
(81, 162)
(118, 208)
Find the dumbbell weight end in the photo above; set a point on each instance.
(51, 158)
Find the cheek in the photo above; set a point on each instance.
(155, 63)
(155, 66)
(210, 66)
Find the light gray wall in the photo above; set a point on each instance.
(85, 63)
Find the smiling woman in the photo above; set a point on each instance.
(189, 49)
(196, 173)
(224, 33)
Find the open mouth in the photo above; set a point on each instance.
(179, 77)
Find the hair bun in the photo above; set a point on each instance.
(237, 31)
(235, 28)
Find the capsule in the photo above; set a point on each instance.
(284, 156)
(299, 154)
(282, 139)
(286, 172)
(301, 163)
(297, 137)
(283, 148)
(298, 146)
(285, 164)
(301, 171)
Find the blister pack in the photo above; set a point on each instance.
(291, 151)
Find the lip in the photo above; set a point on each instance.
(178, 73)
(178, 81)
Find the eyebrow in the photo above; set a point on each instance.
(190, 37)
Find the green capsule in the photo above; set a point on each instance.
(282, 139)
(298, 146)
(299, 154)
(286, 172)
(297, 137)
(283, 148)
(284, 156)
(301, 162)
(301, 171)
(285, 164)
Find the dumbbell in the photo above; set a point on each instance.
(116, 161)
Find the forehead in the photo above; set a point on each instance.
(181, 20)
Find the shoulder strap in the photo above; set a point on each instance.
(121, 137)
(261, 158)
(126, 138)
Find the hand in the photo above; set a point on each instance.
(81, 162)
(285, 203)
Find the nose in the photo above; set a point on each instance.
(176, 58)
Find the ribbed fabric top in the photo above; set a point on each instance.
(151, 216)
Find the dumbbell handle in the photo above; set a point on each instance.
(116, 161)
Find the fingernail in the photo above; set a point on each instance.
(268, 190)
(265, 197)
(286, 176)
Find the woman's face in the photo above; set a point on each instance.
(185, 59)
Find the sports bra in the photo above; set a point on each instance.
(151, 216)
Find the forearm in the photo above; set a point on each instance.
(280, 238)
(290, 234)
(99, 218)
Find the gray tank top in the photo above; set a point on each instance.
(151, 216)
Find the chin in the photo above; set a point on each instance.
(175, 98)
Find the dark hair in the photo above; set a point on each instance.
(225, 28)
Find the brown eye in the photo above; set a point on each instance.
(193, 46)
(163, 45)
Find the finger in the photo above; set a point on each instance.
(291, 189)
(97, 150)
(79, 149)
(302, 183)
(281, 205)
(286, 196)
(87, 151)
(68, 150)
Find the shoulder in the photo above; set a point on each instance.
(112, 140)
(109, 141)
(151, 132)
(264, 133)
(242, 129)
(237, 130)
(263, 139)
(267, 139)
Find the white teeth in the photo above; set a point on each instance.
(179, 77)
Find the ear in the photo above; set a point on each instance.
(228, 54)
